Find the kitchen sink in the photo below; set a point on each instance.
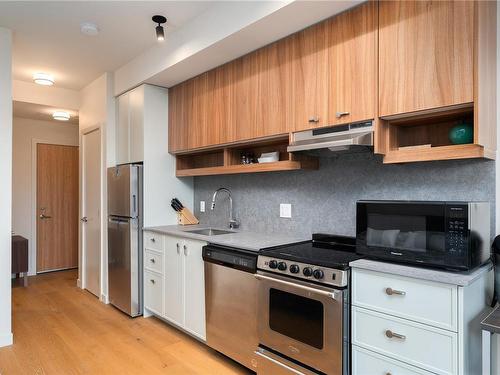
(210, 231)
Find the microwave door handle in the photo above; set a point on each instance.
(298, 286)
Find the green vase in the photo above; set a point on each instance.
(461, 134)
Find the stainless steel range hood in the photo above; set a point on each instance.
(341, 138)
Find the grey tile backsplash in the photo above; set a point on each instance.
(324, 200)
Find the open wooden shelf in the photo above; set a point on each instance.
(466, 151)
(228, 160)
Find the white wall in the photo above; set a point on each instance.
(6, 185)
(25, 131)
(160, 182)
(97, 109)
(52, 96)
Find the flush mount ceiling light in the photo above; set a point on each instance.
(89, 28)
(43, 79)
(61, 116)
(160, 34)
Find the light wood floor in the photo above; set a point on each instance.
(60, 329)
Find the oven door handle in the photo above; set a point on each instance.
(332, 295)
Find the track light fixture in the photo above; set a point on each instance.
(160, 34)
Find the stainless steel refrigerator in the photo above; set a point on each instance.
(125, 238)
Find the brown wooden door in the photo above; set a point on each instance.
(352, 94)
(426, 53)
(57, 207)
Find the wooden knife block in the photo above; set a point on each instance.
(185, 217)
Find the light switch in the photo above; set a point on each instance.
(286, 210)
(202, 206)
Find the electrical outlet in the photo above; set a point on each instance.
(286, 210)
(202, 206)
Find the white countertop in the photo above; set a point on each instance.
(447, 277)
(239, 239)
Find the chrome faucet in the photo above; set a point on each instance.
(233, 223)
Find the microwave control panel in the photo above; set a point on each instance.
(457, 228)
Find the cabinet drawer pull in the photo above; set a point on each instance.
(390, 292)
(314, 119)
(394, 335)
(153, 240)
(178, 249)
(341, 114)
(152, 260)
(152, 281)
(388, 373)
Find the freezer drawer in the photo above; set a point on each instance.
(125, 265)
(124, 190)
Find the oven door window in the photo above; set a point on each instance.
(297, 317)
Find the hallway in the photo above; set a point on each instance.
(60, 329)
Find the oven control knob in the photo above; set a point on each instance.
(282, 266)
(294, 268)
(318, 274)
(307, 271)
(273, 264)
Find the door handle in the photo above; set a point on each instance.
(43, 217)
(297, 286)
(84, 219)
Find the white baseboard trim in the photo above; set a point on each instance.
(104, 299)
(79, 283)
(6, 339)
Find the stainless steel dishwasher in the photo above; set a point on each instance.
(231, 302)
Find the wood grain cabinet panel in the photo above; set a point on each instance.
(178, 102)
(352, 47)
(309, 94)
(426, 52)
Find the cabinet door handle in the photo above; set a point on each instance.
(341, 114)
(314, 119)
(178, 249)
(153, 240)
(185, 250)
(394, 335)
(390, 292)
(152, 281)
(152, 260)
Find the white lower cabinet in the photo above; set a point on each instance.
(366, 362)
(404, 325)
(183, 286)
(153, 292)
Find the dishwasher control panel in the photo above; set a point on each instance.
(229, 257)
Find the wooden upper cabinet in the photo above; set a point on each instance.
(309, 70)
(177, 124)
(426, 52)
(352, 47)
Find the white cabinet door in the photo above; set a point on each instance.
(174, 280)
(153, 292)
(122, 130)
(136, 124)
(194, 285)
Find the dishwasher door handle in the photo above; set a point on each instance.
(298, 286)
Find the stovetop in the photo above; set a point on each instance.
(324, 250)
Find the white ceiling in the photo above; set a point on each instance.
(47, 35)
(41, 112)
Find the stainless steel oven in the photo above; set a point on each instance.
(304, 321)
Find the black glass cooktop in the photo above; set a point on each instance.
(324, 250)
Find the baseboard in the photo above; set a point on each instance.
(104, 299)
(6, 339)
(79, 283)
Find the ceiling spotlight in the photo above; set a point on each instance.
(61, 116)
(89, 28)
(43, 79)
(160, 34)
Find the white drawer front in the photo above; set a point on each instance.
(153, 241)
(153, 292)
(153, 261)
(422, 301)
(423, 346)
(366, 362)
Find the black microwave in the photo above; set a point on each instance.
(451, 235)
